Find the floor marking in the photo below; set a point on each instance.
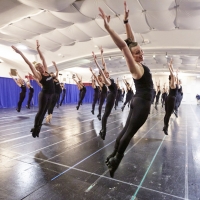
(92, 185)
(141, 182)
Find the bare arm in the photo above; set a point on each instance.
(41, 56)
(102, 59)
(100, 84)
(107, 81)
(173, 81)
(55, 68)
(15, 80)
(79, 78)
(134, 67)
(35, 73)
(129, 31)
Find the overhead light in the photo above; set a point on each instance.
(59, 54)
(122, 57)
(166, 55)
(154, 56)
(21, 46)
(110, 58)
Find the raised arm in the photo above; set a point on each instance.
(35, 73)
(99, 83)
(134, 68)
(15, 80)
(55, 68)
(102, 59)
(37, 81)
(173, 81)
(129, 31)
(107, 81)
(79, 78)
(41, 56)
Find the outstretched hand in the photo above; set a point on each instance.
(94, 56)
(54, 63)
(126, 12)
(16, 49)
(101, 49)
(105, 18)
(37, 43)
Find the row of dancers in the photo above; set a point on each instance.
(140, 103)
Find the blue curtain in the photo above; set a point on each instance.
(9, 93)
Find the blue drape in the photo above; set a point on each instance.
(9, 93)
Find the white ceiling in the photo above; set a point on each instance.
(70, 30)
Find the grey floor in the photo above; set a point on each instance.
(67, 160)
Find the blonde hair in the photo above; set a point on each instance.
(35, 63)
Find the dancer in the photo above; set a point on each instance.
(178, 98)
(63, 93)
(129, 93)
(82, 89)
(111, 96)
(171, 98)
(164, 95)
(55, 96)
(153, 95)
(141, 102)
(119, 94)
(20, 82)
(96, 92)
(40, 71)
(103, 91)
(123, 93)
(31, 91)
(157, 94)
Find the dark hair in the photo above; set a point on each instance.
(169, 77)
(130, 43)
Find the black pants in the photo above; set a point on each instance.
(54, 100)
(163, 99)
(95, 99)
(169, 108)
(118, 98)
(157, 99)
(101, 102)
(139, 111)
(178, 102)
(128, 98)
(109, 105)
(58, 101)
(44, 100)
(81, 96)
(30, 96)
(22, 96)
(62, 99)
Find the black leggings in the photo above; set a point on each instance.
(138, 114)
(128, 98)
(22, 96)
(117, 99)
(169, 108)
(81, 96)
(54, 100)
(101, 102)
(178, 101)
(62, 99)
(44, 100)
(109, 105)
(157, 98)
(95, 99)
(30, 96)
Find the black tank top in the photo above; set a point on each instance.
(113, 87)
(104, 89)
(144, 85)
(130, 92)
(158, 94)
(31, 90)
(96, 90)
(64, 91)
(173, 92)
(58, 89)
(23, 89)
(47, 84)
